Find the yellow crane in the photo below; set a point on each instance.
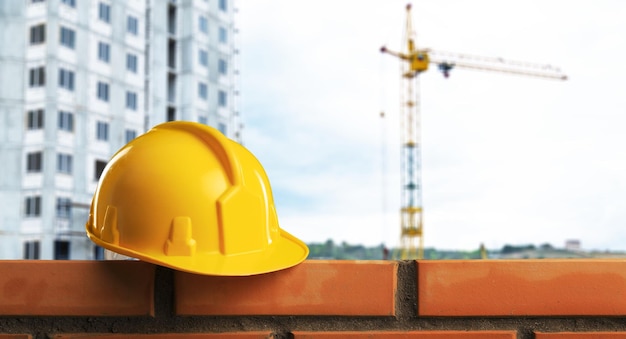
(415, 61)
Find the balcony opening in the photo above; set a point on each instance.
(171, 19)
(171, 114)
(171, 53)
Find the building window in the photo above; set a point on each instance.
(223, 4)
(131, 62)
(104, 52)
(61, 250)
(64, 207)
(98, 253)
(32, 206)
(71, 3)
(33, 162)
(66, 121)
(66, 79)
(99, 168)
(203, 56)
(34, 119)
(130, 135)
(64, 163)
(36, 1)
(203, 91)
(103, 91)
(31, 249)
(38, 34)
(222, 67)
(132, 25)
(68, 37)
(223, 36)
(221, 127)
(37, 77)
(170, 114)
(203, 119)
(203, 24)
(102, 131)
(131, 100)
(104, 12)
(222, 98)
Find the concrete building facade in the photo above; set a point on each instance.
(78, 80)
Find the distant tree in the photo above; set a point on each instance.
(546, 246)
(508, 249)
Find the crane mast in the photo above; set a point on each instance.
(415, 61)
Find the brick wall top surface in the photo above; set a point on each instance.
(581, 335)
(76, 288)
(497, 299)
(521, 288)
(233, 335)
(407, 334)
(312, 288)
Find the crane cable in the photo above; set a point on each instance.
(383, 156)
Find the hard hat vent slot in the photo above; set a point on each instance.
(180, 241)
(109, 232)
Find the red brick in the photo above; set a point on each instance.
(408, 334)
(312, 288)
(15, 336)
(581, 335)
(76, 288)
(521, 287)
(233, 335)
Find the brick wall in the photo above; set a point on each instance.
(543, 299)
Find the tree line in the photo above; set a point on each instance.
(344, 251)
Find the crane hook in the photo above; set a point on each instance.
(445, 68)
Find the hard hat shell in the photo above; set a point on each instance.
(185, 196)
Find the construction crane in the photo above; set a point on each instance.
(415, 61)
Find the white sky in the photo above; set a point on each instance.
(506, 159)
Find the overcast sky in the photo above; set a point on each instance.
(506, 159)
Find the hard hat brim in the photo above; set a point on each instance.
(288, 251)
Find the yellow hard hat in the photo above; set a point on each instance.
(185, 196)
